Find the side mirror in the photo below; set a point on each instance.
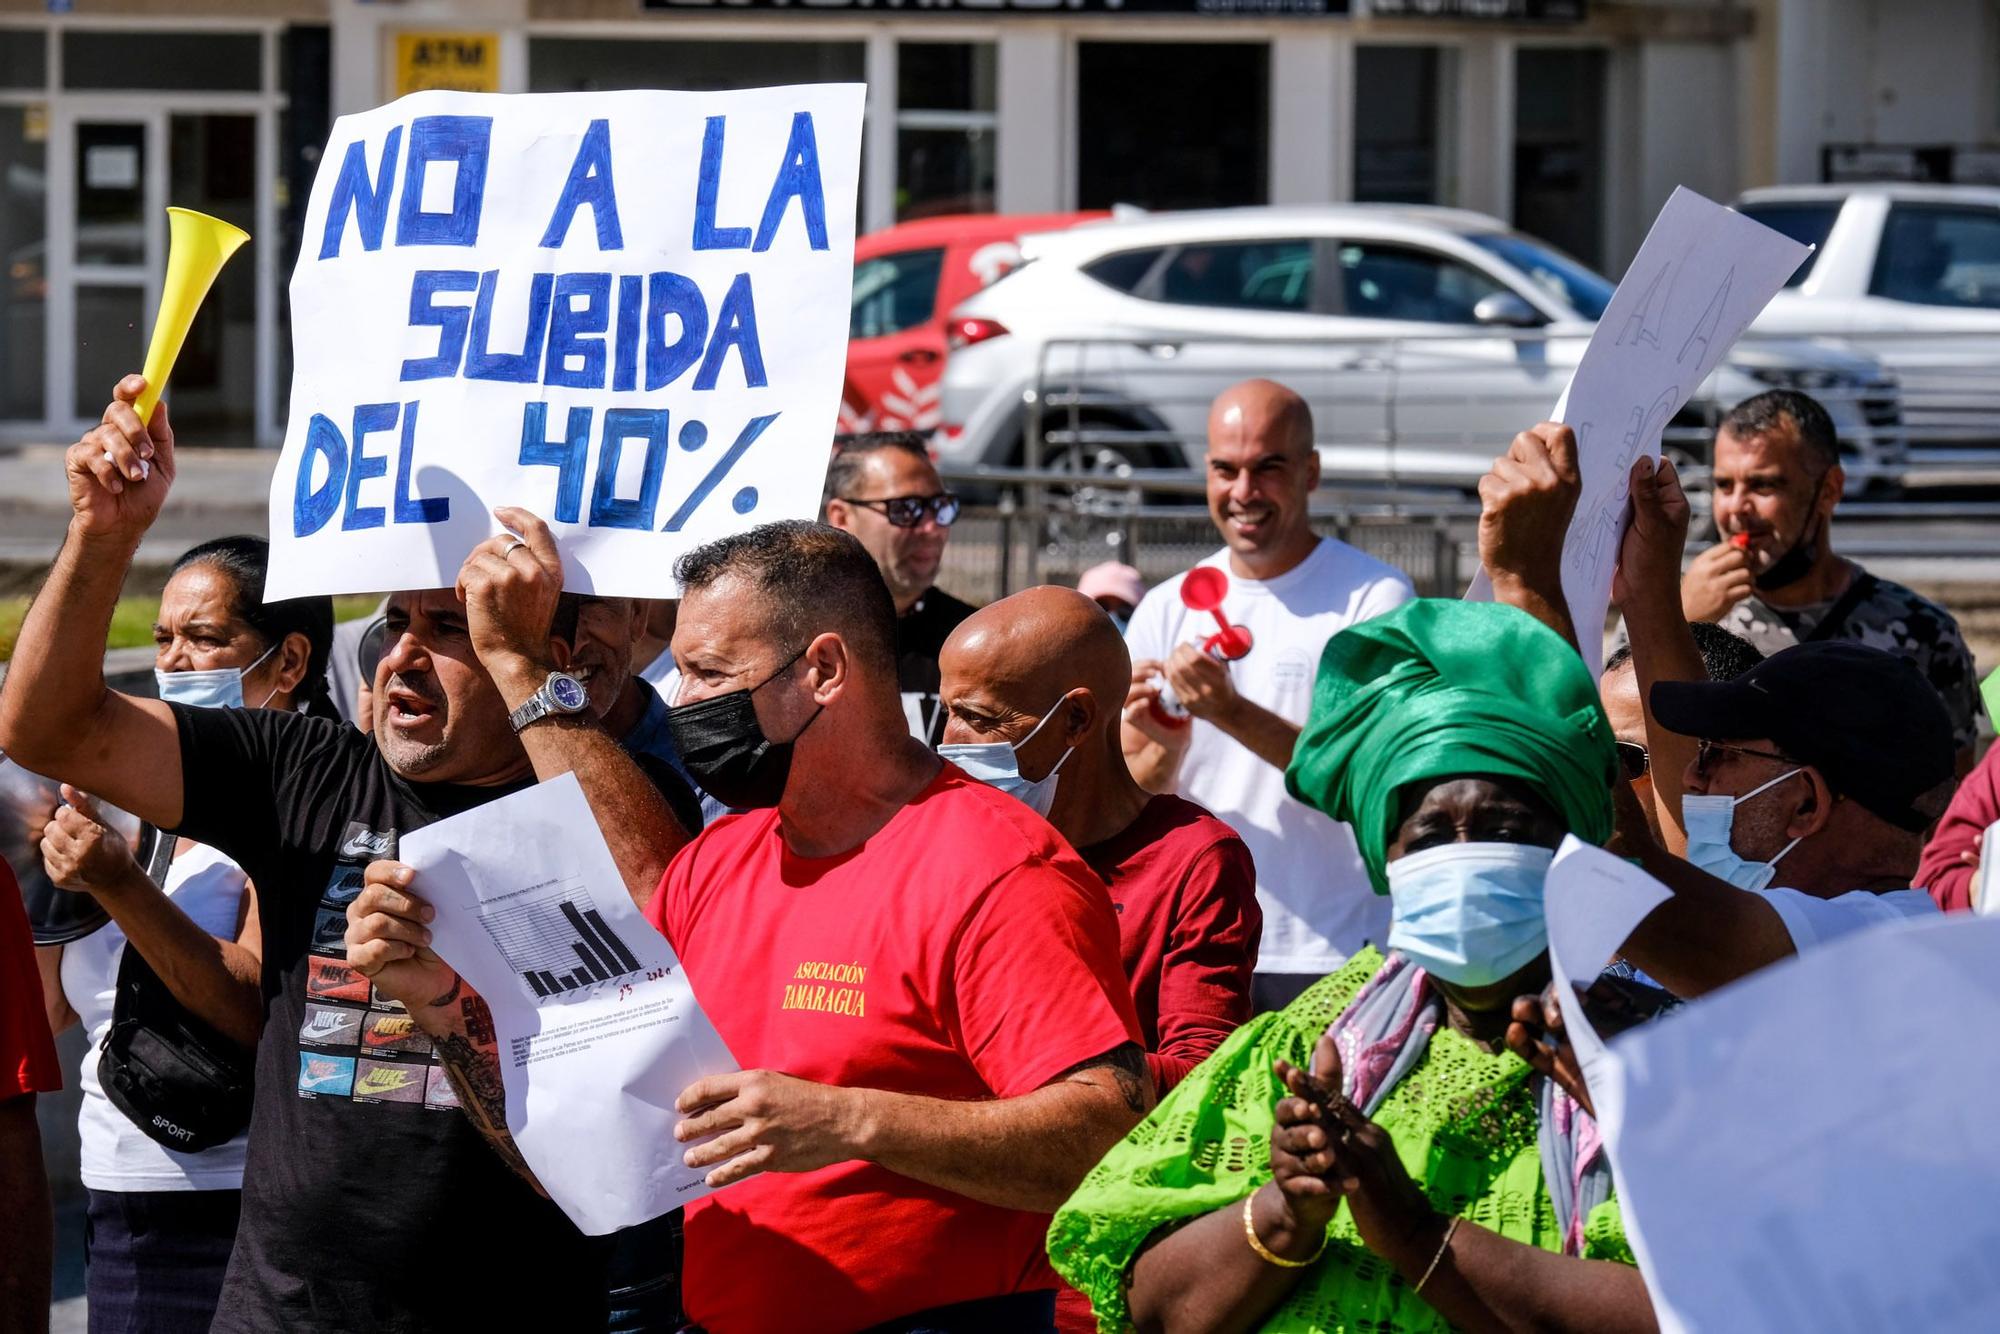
(1508, 311)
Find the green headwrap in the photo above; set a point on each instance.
(1440, 687)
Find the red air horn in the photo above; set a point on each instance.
(1203, 589)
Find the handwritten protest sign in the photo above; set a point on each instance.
(1786, 1148)
(626, 312)
(1703, 274)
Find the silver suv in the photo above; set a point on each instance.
(1423, 338)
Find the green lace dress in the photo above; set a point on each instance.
(1463, 1121)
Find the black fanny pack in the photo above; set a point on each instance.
(186, 1085)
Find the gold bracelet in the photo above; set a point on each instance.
(1443, 1246)
(1265, 1253)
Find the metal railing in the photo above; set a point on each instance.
(1041, 527)
(1433, 408)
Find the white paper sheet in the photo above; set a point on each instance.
(598, 1029)
(1703, 274)
(1592, 900)
(624, 311)
(1810, 1148)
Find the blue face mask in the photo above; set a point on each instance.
(997, 764)
(221, 688)
(1470, 913)
(1711, 823)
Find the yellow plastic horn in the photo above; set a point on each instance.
(197, 248)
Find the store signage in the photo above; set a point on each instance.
(1503, 11)
(457, 62)
(1042, 8)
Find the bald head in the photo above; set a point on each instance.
(1264, 412)
(1028, 650)
(1046, 673)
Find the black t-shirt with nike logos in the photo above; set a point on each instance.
(369, 1201)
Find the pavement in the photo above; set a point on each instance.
(216, 492)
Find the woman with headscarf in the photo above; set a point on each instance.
(1460, 741)
(161, 1221)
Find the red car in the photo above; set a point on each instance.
(906, 280)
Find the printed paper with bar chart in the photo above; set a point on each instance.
(557, 940)
(597, 1027)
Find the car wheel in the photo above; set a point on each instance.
(1089, 510)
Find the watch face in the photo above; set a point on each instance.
(567, 692)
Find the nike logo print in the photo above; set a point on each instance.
(321, 1072)
(381, 1081)
(322, 1026)
(386, 1031)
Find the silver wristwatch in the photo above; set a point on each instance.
(561, 693)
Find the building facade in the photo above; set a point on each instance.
(1574, 119)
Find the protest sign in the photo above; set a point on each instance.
(1703, 274)
(1810, 1147)
(626, 312)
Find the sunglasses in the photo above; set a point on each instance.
(1633, 759)
(909, 511)
(1705, 751)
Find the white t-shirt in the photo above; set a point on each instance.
(117, 1155)
(1318, 906)
(1815, 922)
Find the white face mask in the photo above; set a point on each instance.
(1710, 821)
(1470, 912)
(997, 764)
(221, 688)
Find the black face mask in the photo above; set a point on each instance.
(1795, 564)
(726, 751)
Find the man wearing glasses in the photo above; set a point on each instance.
(1815, 775)
(1724, 655)
(882, 489)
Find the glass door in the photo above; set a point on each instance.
(114, 193)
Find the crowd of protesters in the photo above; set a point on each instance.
(1191, 986)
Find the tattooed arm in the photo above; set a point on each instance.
(1018, 1153)
(388, 943)
(461, 1029)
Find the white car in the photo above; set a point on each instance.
(1911, 275)
(1422, 338)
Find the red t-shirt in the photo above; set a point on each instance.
(27, 1052)
(1185, 891)
(1974, 806)
(963, 952)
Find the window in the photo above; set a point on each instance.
(1403, 107)
(1173, 124)
(193, 61)
(1123, 272)
(1806, 223)
(1939, 255)
(1385, 282)
(24, 59)
(1241, 275)
(24, 271)
(945, 123)
(1583, 290)
(587, 64)
(1560, 146)
(894, 292)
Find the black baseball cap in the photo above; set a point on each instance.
(1865, 718)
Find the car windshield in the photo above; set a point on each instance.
(1581, 289)
(1805, 221)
